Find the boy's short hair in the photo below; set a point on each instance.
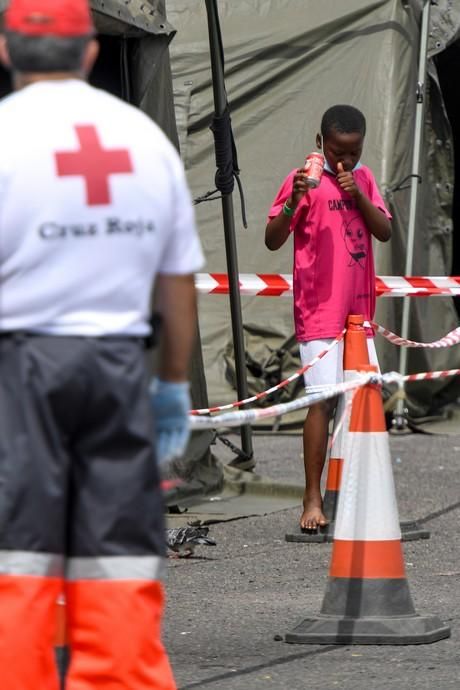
(344, 119)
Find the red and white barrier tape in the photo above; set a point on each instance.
(263, 394)
(280, 285)
(263, 285)
(394, 377)
(417, 286)
(243, 417)
(452, 338)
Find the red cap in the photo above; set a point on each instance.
(62, 18)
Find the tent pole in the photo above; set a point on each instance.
(220, 103)
(399, 418)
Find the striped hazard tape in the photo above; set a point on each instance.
(243, 417)
(280, 285)
(266, 285)
(417, 286)
(269, 391)
(426, 376)
(452, 338)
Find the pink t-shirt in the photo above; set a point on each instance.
(333, 261)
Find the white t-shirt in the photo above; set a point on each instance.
(93, 205)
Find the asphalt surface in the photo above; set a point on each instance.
(229, 606)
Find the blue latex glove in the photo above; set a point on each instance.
(171, 404)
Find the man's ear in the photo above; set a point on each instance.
(4, 54)
(90, 56)
(319, 141)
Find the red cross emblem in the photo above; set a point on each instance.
(94, 163)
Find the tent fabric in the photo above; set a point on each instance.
(286, 62)
(444, 25)
(145, 28)
(127, 16)
(142, 35)
(144, 16)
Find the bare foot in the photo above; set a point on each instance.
(312, 516)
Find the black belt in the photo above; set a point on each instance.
(20, 335)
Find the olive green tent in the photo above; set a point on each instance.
(134, 64)
(134, 60)
(286, 62)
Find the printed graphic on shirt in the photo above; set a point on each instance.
(354, 234)
(94, 163)
(341, 204)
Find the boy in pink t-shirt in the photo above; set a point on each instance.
(333, 273)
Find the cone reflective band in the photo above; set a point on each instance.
(367, 599)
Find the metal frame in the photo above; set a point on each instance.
(220, 103)
(399, 418)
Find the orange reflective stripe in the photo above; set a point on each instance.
(367, 559)
(27, 630)
(115, 635)
(334, 474)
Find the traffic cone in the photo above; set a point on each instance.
(355, 353)
(367, 599)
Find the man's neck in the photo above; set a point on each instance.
(23, 79)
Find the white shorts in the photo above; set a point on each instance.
(329, 369)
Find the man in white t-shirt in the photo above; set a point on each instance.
(94, 211)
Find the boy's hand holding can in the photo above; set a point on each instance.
(307, 177)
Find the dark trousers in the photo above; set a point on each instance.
(80, 504)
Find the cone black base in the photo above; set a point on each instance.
(323, 535)
(410, 531)
(385, 630)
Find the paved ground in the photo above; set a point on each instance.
(230, 606)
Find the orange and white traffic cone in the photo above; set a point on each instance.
(355, 353)
(367, 599)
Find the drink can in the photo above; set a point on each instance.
(314, 165)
